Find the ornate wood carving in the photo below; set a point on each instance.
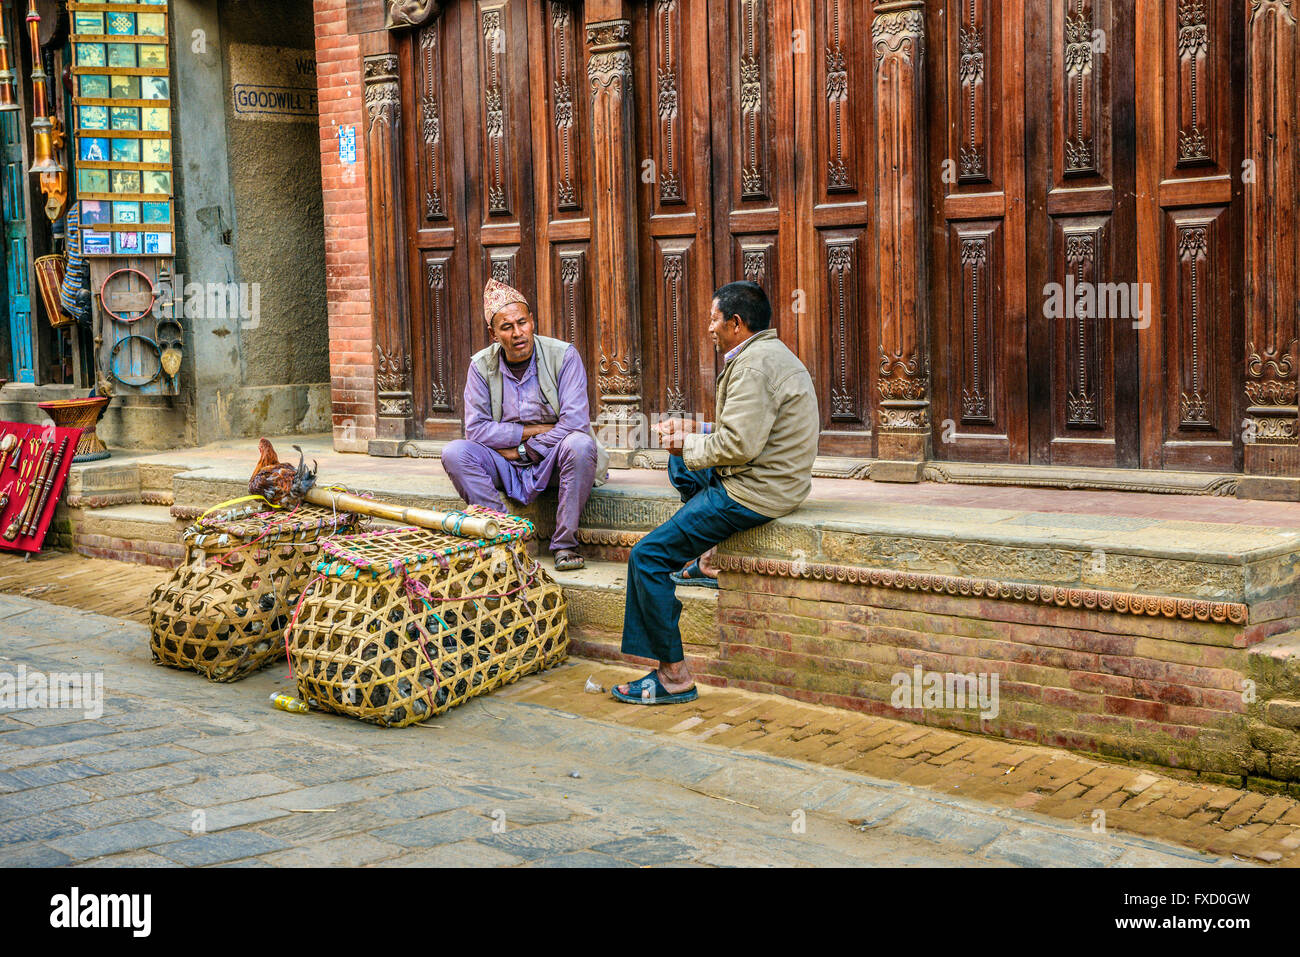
(1272, 195)
(1193, 253)
(840, 173)
(841, 270)
(501, 265)
(1080, 88)
(1082, 348)
(496, 151)
(673, 321)
(410, 13)
(430, 92)
(609, 71)
(972, 52)
(390, 306)
(752, 77)
(898, 39)
(564, 66)
(669, 136)
(978, 355)
(1123, 603)
(756, 264)
(393, 382)
(573, 296)
(440, 399)
(382, 92)
(1193, 83)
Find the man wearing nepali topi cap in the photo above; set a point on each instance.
(527, 422)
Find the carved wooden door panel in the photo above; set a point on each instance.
(469, 188)
(671, 56)
(979, 362)
(750, 78)
(834, 170)
(1067, 186)
(563, 182)
(791, 86)
(1189, 253)
(1081, 145)
(438, 270)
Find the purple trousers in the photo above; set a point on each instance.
(481, 474)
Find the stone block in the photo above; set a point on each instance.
(1283, 714)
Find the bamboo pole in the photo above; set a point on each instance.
(463, 526)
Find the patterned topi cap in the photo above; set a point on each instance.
(496, 296)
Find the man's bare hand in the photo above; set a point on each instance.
(510, 455)
(676, 426)
(533, 431)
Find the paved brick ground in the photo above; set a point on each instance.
(178, 771)
(1218, 820)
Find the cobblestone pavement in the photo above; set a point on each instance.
(179, 771)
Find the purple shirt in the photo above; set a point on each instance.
(522, 403)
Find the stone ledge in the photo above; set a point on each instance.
(1090, 599)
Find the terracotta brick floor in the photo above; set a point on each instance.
(1213, 818)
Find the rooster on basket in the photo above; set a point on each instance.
(281, 483)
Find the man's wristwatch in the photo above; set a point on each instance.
(523, 452)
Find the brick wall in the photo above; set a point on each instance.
(347, 256)
(1138, 687)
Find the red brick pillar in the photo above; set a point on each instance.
(347, 247)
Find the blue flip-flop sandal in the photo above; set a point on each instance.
(651, 691)
(691, 575)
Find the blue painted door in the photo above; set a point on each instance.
(13, 182)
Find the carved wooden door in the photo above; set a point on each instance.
(1062, 177)
(1189, 227)
(496, 100)
(1036, 193)
(791, 87)
(469, 192)
(1082, 224)
(980, 370)
(671, 56)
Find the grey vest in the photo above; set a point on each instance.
(550, 358)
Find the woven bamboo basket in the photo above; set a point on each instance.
(224, 610)
(399, 625)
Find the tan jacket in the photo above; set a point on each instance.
(765, 435)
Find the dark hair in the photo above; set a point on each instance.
(747, 300)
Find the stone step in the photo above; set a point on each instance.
(157, 482)
(145, 534)
(596, 594)
(102, 484)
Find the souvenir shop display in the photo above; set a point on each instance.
(122, 105)
(47, 130)
(32, 478)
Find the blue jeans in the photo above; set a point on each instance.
(650, 617)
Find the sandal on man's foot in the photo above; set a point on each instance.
(692, 575)
(650, 691)
(567, 560)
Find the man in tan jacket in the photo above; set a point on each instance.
(751, 465)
